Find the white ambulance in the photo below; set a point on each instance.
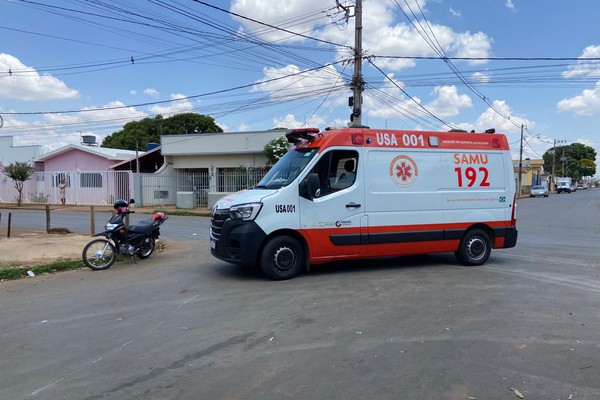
(359, 193)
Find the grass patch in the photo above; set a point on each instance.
(11, 273)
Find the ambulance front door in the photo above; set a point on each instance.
(333, 218)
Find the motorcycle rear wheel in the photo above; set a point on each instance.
(96, 258)
(147, 248)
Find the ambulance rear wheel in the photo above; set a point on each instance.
(282, 258)
(475, 248)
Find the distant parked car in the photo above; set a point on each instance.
(581, 187)
(538, 191)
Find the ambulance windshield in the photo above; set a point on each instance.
(287, 169)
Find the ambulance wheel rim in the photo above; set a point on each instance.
(476, 248)
(284, 258)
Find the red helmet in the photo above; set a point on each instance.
(158, 215)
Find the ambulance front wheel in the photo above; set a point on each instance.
(282, 258)
(475, 248)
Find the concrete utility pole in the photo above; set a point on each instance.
(358, 83)
(520, 161)
(551, 183)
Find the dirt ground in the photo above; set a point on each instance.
(33, 247)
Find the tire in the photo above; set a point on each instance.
(282, 258)
(147, 248)
(93, 255)
(475, 248)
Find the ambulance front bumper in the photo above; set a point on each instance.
(238, 243)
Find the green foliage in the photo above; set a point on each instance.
(276, 149)
(19, 172)
(10, 273)
(575, 160)
(149, 130)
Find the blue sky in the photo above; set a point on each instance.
(77, 67)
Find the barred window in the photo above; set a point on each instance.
(91, 180)
(61, 177)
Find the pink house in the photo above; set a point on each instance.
(87, 172)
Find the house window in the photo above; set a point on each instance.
(91, 180)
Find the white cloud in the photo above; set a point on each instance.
(491, 119)
(291, 82)
(290, 122)
(175, 107)
(133, 92)
(481, 77)
(62, 119)
(151, 92)
(448, 103)
(584, 68)
(115, 110)
(26, 84)
(510, 5)
(389, 102)
(243, 127)
(380, 35)
(585, 104)
(455, 13)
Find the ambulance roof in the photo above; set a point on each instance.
(386, 138)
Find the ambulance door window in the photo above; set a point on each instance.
(337, 170)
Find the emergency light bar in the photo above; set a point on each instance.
(299, 134)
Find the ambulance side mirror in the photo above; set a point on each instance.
(310, 186)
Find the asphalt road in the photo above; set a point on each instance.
(182, 325)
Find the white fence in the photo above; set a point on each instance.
(104, 187)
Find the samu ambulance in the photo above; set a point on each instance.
(358, 193)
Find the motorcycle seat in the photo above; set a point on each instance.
(140, 227)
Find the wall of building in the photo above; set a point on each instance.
(218, 161)
(10, 153)
(77, 160)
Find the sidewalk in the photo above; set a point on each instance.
(28, 248)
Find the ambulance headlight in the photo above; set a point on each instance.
(246, 212)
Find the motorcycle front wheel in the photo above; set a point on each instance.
(147, 248)
(99, 254)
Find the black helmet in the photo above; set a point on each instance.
(119, 204)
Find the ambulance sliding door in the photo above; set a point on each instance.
(404, 202)
(333, 221)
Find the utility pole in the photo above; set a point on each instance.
(551, 183)
(520, 161)
(358, 83)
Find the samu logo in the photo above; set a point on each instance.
(404, 171)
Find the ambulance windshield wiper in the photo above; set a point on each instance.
(260, 187)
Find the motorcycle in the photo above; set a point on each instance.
(137, 240)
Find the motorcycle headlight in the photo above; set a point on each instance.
(246, 212)
(111, 227)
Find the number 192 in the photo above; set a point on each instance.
(472, 176)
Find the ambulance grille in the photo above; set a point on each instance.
(217, 221)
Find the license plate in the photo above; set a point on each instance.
(213, 243)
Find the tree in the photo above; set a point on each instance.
(19, 172)
(276, 149)
(137, 134)
(576, 160)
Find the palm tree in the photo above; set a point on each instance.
(19, 172)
